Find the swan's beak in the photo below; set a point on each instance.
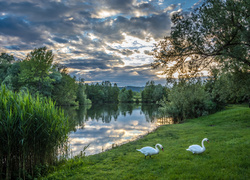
(208, 141)
(162, 149)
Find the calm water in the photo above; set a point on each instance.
(102, 127)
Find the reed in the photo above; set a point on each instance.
(32, 129)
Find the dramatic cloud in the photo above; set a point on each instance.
(97, 40)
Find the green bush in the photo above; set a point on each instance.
(31, 132)
(187, 99)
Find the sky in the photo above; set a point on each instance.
(98, 40)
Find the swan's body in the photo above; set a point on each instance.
(149, 151)
(196, 149)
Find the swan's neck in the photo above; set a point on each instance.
(203, 144)
(157, 147)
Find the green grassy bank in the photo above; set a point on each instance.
(227, 156)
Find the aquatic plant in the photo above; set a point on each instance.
(32, 129)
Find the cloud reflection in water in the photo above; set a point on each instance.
(102, 135)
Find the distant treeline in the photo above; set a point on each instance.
(133, 88)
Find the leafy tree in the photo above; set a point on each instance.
(159, 92)
(65, 90)
(229, 88)
(35, 69)
(7, 58)
(187, 99)
(12, 80)
(81, 96)
(5, 64)
(152, 92)
(130, 95)
(115, 93)
(148, 91)
(126, 95)
(101, 93)
(217, 31)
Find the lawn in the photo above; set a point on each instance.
(227, 155)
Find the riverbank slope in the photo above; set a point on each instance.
(227, 156)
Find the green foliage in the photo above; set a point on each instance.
(39, 75)
(101, 93)
(31, 131)
(229, 87)
(187, 99)
(35, 69)
(226, 156)
(217, 31)
(6, 58)
(65, 90)
(81, 96)
(12, 78)
(152, 92)
(5, 64)
(126, 95)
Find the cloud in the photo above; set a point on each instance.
(60, 40)
(18, 27)
(126, 75)
(97, 39)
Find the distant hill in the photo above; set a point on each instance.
(133, 88)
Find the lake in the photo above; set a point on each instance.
(105, 126)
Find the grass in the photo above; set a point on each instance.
(227, 156)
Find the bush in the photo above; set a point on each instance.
(187, 99)
(31, 132)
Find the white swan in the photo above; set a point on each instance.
(148, 151)
(196, 149)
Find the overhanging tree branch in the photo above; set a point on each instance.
(203, 37)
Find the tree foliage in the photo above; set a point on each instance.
(38, 74)
(35, 69)
(152, 92)
(188, 98)
(217, 31)
(126, 95)
(229, 88)
(102, 93)
(5, 64)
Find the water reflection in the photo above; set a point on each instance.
(107, 125)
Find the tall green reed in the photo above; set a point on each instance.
(32, 130)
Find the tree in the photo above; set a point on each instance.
(217, 31)
(35, 71)
(5, 64)
(187, 99)
(101, 93)
(152, 92)
(81, 95)
(126, 95)
(65, 90)
(147, 92)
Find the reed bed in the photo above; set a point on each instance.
(32, 129)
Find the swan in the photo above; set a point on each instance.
(196, 149)
(148, 151)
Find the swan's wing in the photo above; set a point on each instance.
(147, 150)
(195, 148)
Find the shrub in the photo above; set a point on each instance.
(187, 99)
(31, 131)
